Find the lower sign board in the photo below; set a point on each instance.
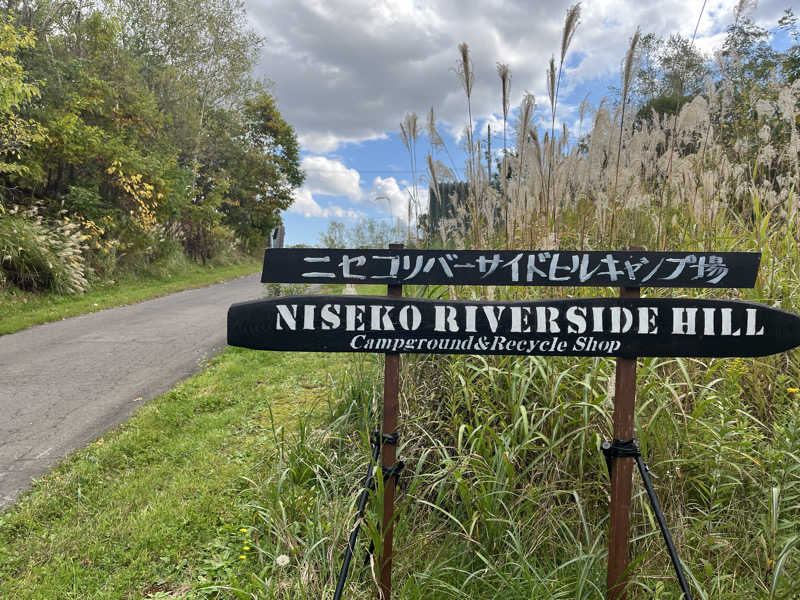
(582, 327)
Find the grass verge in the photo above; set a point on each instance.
(156, 508)
(24, 309)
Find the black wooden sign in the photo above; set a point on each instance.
(513, 267)
(583, 327)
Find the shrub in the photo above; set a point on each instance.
(40, 255)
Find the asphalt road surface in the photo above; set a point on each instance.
(65, 383)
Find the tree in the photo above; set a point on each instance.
(790, 59)
(16, 133)
(264, 169)
(670, 73)
(365, 233)
(154, 125)
(335, 236)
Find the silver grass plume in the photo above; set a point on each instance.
(582, 110)
(554, 83)
(464, 69)
(627, 70)
(505, 87)
(570, 25)
(433, 133)
(409, 130)
(467, 78)
(434, 179)
(525, 115)
(741, 7)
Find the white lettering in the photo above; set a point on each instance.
(330, 316)
(380, 320)
(708, 321)
(354, 317)
(616, 313)
(445, 319)
(289, 318)
(576, 316)
(470, 314)
(415, 315)
(520, 319)
(547, 324)
(751, 323)
(493, 318)
(647, 320)
(597, 319)
(684, 321)
(308, 316)
(727, 326)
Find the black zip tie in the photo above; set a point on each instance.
(393, 471)
(619, 449)
(375, 438)
(387, 439)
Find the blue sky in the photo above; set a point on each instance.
(346, 72)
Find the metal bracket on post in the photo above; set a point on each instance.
(630, 449)
(369, 482)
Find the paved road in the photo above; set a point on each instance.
(63, 384)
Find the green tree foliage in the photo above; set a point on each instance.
(16, 133)
(364, 233)
(142, 119)
(747, 81)
(266, 169)
(790, 62)
(671, 72)
(446, 204)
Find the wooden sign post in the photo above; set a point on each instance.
(626, 328)
(391, 411)
(621, 472)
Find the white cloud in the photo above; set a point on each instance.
(391, 197)
(327, 141)
(331, 177)
(347, 71)
(305, 205)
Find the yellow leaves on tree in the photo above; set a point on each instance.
(142, 199)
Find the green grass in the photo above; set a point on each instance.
(24, 309)
(155, 507)
(505, 492)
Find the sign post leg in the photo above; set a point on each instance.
(391, 389)
(621, 474)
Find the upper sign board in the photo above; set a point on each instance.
(581, 327)
(513, 267)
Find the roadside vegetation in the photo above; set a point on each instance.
(22, 309)
(123, 156)
(160, 506)
(505, 492)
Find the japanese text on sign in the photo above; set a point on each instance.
(566, 268)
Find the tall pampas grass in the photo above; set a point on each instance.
(571, 23)
(409, 132)
(504, 73)
(627, 72)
